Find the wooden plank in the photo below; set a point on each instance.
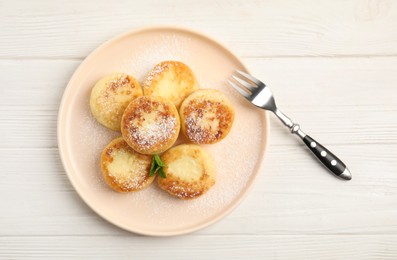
(200, 247)
(33, 85)
(255, 28)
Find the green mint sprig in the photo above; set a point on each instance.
(157, 167)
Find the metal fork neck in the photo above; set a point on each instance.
(285, 119)
(295, 128)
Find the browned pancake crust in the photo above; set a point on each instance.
(206, 116)
(182, 186)
(173, 80)
(111, 95)
(126, 182)
(150, 125)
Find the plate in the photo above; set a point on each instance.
(152, 211)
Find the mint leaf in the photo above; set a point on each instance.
(161, 173)
(159, 161)
(157, 167)
(152, 168)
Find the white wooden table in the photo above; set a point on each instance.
(333, 68)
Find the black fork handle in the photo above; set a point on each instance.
(327, 158)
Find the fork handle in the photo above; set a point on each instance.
(328, 159)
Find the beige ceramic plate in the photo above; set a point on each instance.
(152, 211)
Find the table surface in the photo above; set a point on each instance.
(332, 66)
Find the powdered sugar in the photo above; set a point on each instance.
(152, 134)
(158, 69)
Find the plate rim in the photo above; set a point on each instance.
(61, 116)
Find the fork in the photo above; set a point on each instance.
(260, 95)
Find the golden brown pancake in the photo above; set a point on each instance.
(173, 80)
(150, 125)
(123, 169)
(190, 171)
(206, 116)
(110, 96)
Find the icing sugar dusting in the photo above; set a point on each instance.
(147, 136)
(158, 69)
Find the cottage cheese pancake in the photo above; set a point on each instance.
(173, 80)
(110, 96)
(206, 116)
(123, 169)
(190, 171)
(150, 125)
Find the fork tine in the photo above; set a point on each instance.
(245, 83)
(256, 81)
(242, 92)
